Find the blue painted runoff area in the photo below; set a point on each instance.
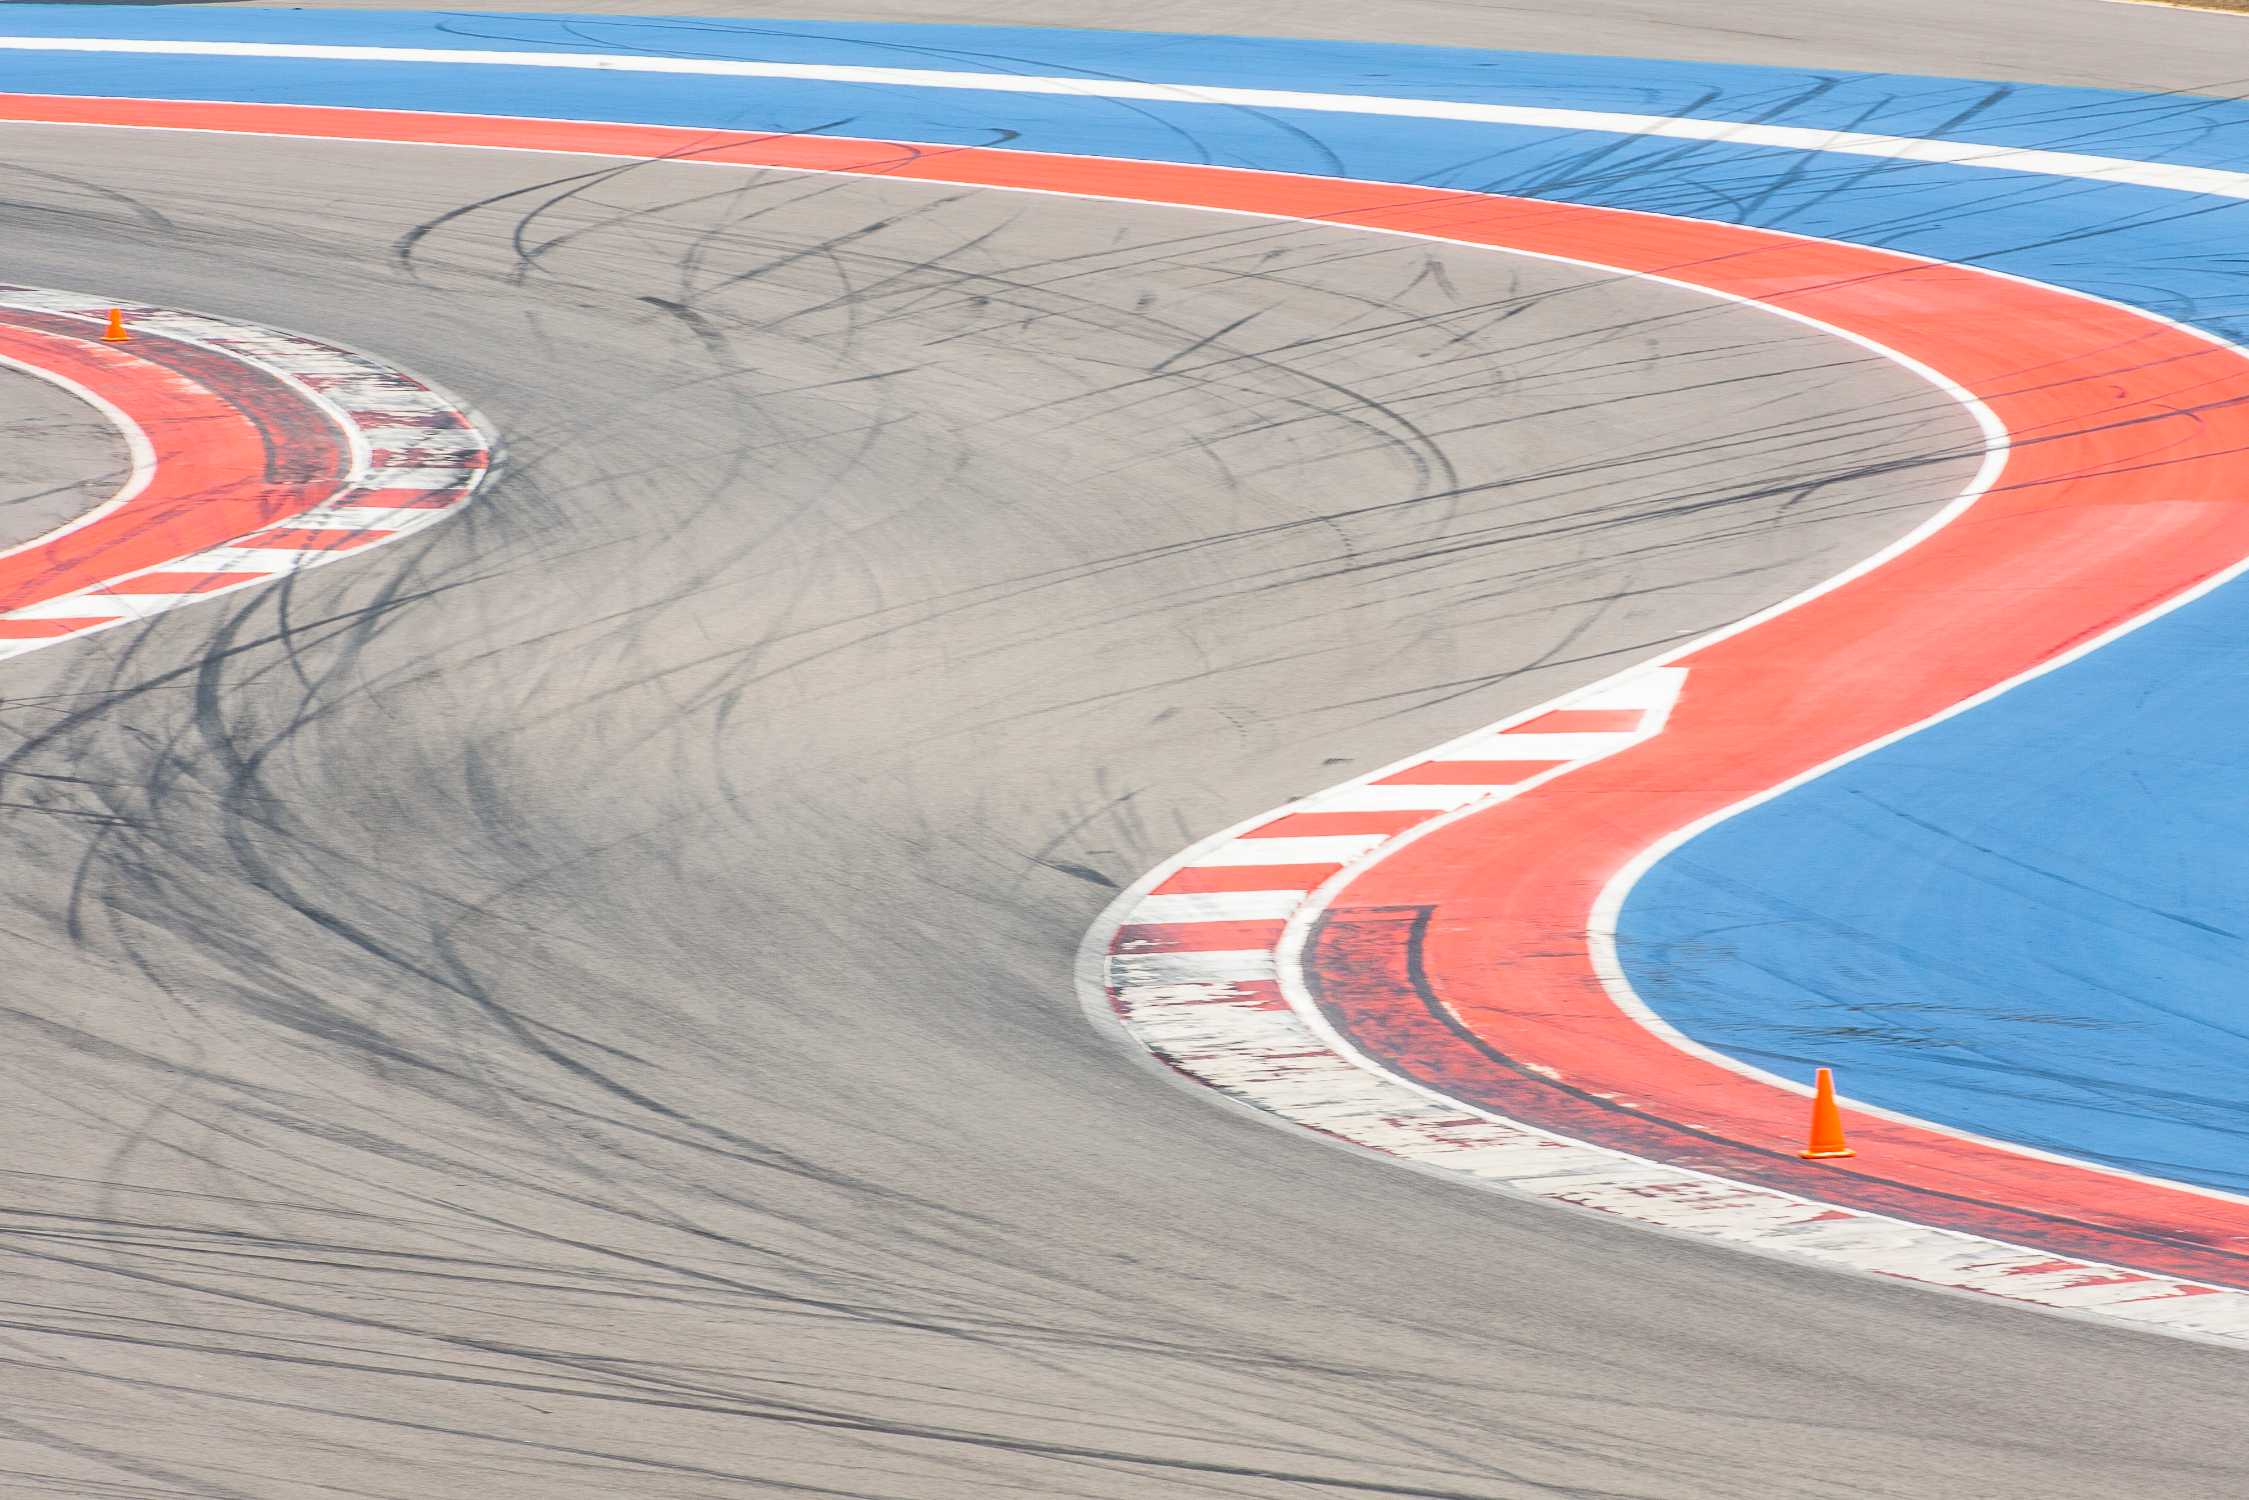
(2028, 922)
(2184, 128)
(2173, 253)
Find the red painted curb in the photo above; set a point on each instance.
(258, 454)
(235, 449)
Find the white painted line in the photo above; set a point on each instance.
(1537, 747)
(349, 517)
(375, 391)
(304, 364)
(67, 607)
(1224, 966)
(393, 403)
(2200, 5)
(2212, 180)
(265, 561)
(433, 440)
(1653, 691)
(1358, 796)
(1219, 906)
(409, 477)
(256, 547)
(1330, 849)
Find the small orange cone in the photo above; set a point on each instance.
(115, 333)
(1827, 1123)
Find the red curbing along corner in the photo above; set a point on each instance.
(257, 453)
(2118, 499)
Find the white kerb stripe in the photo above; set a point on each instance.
(395, 402)
(374, 391)
(296, 359)
(240, 559)
(2216, 181)
(445, 440)
(359, 518)
(1366, 797)
(1535, 747)
(416, 477)
(1329, 849)
(148, 606)
(1653, 690)
(1132, 970)
(68, 607)
(1218, 906)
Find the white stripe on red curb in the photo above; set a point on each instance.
(1196, 961)
(416, 457)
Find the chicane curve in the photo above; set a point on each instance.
(821, 155)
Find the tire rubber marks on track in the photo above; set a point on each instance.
(324, 452)
(1210, 979)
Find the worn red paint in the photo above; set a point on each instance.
(235, 449)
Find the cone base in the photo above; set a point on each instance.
(1825, 1155)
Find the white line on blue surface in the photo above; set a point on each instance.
(2214, 181)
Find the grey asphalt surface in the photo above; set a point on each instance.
(578, 1004)
(59, 458)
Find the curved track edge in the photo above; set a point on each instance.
(1281, 962)
(259, 453)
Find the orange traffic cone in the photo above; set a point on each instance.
(115, 333)
(1827, 1123)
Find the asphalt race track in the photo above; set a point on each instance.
(58, 457)
(578, 1004)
